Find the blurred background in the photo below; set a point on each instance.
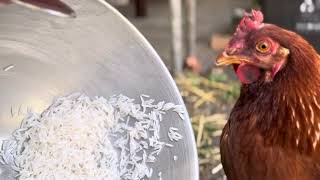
(189, 34)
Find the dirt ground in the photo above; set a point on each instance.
(209, 100)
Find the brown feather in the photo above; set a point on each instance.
(273, 130)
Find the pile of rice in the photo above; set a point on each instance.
(82, 138)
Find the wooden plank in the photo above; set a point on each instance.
(191, 27)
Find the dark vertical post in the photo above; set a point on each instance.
(141, 8)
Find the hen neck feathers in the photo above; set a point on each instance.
(286, 111)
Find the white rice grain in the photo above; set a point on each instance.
(82, 138)
(174, 135)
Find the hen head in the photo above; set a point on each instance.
(254, 52)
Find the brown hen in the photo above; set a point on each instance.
(273, 132)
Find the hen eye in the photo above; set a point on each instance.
(263, 47)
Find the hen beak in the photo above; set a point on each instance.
(224, 59)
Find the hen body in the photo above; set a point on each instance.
(273, 132)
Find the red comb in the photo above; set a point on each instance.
(250, 22)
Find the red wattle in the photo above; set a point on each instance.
(247, 73)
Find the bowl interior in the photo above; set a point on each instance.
(97, 53)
